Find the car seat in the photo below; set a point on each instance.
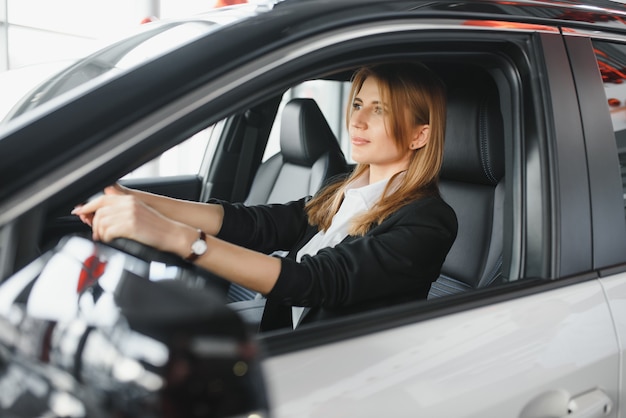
(309, 155)
(472, 182)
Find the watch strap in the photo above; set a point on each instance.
(192, 254)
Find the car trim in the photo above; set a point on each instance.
(605, 188)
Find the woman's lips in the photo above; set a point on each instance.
(359, 141)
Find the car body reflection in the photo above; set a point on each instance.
(129, 330)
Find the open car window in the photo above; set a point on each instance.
(183, 159)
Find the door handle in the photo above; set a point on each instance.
(559, 404)
(592, 404)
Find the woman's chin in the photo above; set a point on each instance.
(358, 158)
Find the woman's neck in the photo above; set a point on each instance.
(377, 173)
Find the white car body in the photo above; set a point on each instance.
(448, 367)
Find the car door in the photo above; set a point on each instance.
(605, 147)
(532, 356)
(543, 344)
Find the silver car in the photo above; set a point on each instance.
(528, 316)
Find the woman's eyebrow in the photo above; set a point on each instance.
(374, 102)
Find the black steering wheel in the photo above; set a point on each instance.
(146, 252)
(149, 254)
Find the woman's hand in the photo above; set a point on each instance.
(117, 214)
(87, 217)
(120, 213)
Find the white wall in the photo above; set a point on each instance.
(49, 30)
(4, 47)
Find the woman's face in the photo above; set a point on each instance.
(372, 143)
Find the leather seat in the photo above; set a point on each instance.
(309, 155)
(472, 182)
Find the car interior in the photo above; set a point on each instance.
(471, 180)
(309, 156)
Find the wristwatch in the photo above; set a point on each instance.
(198, 247)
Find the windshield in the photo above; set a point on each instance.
(153, 40)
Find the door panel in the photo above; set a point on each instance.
(615, 288)
(181, 187)
(487, 362)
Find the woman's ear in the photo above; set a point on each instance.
(421, 135)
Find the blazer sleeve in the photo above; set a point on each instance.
(401, 256)
(264, 228)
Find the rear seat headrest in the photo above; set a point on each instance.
(304, 133)
(474, 144)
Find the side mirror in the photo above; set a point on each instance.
(88, 330)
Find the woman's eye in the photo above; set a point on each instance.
(378, 110)
(356, 106)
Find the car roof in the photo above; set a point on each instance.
(599, 13)
(293, 17)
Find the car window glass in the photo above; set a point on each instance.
(113, 60)
(330, 96)
(185, 158)
(611, 62)
(162, 42)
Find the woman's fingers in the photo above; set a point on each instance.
(85, 210)
(115, 216)
(89, 208)
(119, 215)
(124, 216)
(116, 189)
(86, 218)
(108, 224)
(108, 207)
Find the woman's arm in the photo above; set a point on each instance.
(205, 216)
(251, 269)
(399, 257)
(134, 215)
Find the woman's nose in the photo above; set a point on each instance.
(358, 121)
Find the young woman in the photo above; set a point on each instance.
(375, 238)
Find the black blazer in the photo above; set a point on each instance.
(395, 261)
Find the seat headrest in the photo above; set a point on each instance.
(304, 133)
(474, 144)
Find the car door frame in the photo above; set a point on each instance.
(548, 154)
(607, 201)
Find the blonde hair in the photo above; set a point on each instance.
(409, 89)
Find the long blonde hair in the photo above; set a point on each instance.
(404, 87)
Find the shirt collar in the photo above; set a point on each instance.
(370, 193)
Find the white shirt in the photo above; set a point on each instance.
(358, 198)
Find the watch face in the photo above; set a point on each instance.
(198, 247)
